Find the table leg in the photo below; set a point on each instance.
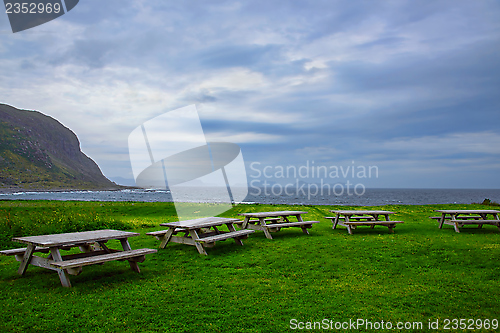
(337, 216)
(126, 247)
(166, 238)
(103, 246)
(26, 259)
(441, 222)
(349, 229)
(303, 227)
(480, 226)
(497, 223)
(262, 223)
(455, 222)
(485, 217)
(56, 255)
(194, 237)
(245, 222)
(231, 228)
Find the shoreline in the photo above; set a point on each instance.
(373, 197)
(12, 190)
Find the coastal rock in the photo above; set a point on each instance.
(38, 153)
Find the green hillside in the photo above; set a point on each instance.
(38, 153)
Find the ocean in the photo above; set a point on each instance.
(367, 197)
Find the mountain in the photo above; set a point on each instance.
(38, 153)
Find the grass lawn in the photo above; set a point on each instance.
(419, 274)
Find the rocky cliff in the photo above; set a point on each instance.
(37, 152)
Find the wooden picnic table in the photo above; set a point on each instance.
(277, 219)
(355, 218)
(91, 243)
(203, 232)
(460, 217)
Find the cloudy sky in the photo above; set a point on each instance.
(411, 87)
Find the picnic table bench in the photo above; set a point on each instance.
(201, 233)
(351, 219)
(91, 243)
(277, 219)
(460, 217)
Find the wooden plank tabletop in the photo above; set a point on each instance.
(276, 213)
(74, 237)
(200, 223)
(468, 211)
(362, 212)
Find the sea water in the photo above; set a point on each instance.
(369, 197)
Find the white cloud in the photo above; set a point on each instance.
(236, 79)
(244, 137)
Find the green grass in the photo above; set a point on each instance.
(417, 274)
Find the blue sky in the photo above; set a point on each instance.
(411, 87)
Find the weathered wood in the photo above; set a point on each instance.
(278, 219)
(274, 219)
(224, 236)
(358, 223)
(167, 237)
(160, 233)
(102, 258)
(92, 243)
(211, 233)
(74, 237)
(457, 217)
(182, 240)
(237, 240)
(195, 237)
(62, 274)
(87, 254)
(492, 222)
(468, 211)
(453, 218)
(351, 218)
(28, 254)
(102, 246)
(307, 224)
(21, 251)
(206, 222)
(255, 227)
(132, 263)
(272, 214)
(262, 226)
(362, 212)
(37, 261)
